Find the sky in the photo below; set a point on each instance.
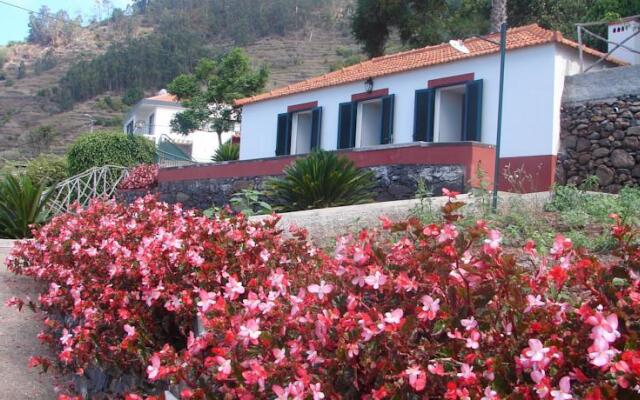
(13, 22)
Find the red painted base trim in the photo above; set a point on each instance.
(476, 158)
(450, 80)
(302, 107)
(528, 173)
(368, 96)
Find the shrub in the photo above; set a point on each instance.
(227, 151)
(22, 206)
(250, 202)
(104, 148)
(427, 311)
(141, 177)
(47, 169)
(322, 179)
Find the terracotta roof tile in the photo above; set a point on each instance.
(524, 36)
(164, 97)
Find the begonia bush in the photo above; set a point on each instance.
(418, 311)
(141, 177)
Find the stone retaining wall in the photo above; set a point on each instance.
(393, 182)
(601, 138)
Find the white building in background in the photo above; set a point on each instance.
(627, 29)
(151, 117)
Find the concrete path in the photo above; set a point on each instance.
(18, 342)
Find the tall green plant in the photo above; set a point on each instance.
(228, 151)
(23, 205)
(322, 179)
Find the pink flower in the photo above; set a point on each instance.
(207, 300)
(600, 354)
(131, 331)
(430, 308)
(564, 392)
(394, 317)
(473, 341)
(417, 378)
(316, 389)
(605, 328)
(466, 372)
(376, 280)
(321, 289)
(534, 302)
(489, 394)
(250, 331)
(153, 370)
(536, 351)
(233, 289)
(469, 324)
(492, 242)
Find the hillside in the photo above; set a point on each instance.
(26, 103)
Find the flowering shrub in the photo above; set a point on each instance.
(424, 311)
(141, 177)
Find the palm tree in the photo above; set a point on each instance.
(498, 14)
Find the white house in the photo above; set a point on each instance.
(627, 33)
(151, 117)
(435, 94)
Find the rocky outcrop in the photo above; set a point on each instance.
(603, 139)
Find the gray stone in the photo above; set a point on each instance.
(605, 175)
(635, 172)
(631, 142)
(634, 130)
(583, 145)
(570, 142)
(622, 159)
(182, 197)
(601, 152)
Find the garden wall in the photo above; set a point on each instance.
(600, 129)
(393, 182)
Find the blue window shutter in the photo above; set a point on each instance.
(283, 141)
(347, 125)
(316, 128)
(386, 136)
(472, 124)
(423, 116)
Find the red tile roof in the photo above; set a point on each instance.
(524, 36)
(164, 97)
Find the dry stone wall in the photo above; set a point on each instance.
(601, 138)
(392, 182)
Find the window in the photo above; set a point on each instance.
(366, 123)
(299, 132)
(130, 128)
(449, 114)
(152, 124)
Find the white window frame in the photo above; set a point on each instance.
(294, 129)
(438, 107)
(360, 116)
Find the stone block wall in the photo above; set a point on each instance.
(601, 138)
(393, 182)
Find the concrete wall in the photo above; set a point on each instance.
(601, 85)
(533, 86)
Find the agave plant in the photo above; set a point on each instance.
(228, 151)
(23, 205)
(322, 179)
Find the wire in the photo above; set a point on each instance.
(6, 3)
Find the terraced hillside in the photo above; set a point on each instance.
(294, 56)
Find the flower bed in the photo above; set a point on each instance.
(142, 176)
(417, 311)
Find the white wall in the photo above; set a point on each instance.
(531, 104)
(629, 28)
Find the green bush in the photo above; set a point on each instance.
(228, 151)
(109, 148)
(47, 169)
(22, 206)
(320, 180)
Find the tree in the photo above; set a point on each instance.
(209, 93)
(498, 14)
(418, 22)
(49, 28)
(41, 139)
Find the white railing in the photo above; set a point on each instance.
(97, 182)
